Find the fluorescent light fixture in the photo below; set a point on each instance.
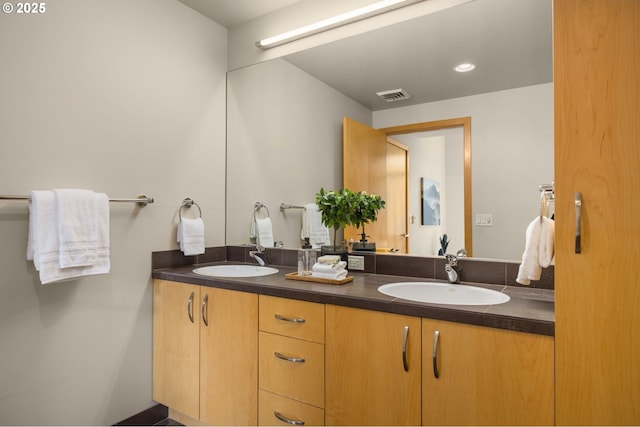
(334, 22)
(465, 67)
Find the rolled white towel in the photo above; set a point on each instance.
(329, 268)
(338, 275)
(329, 259)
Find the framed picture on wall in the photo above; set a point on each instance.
(430, 195)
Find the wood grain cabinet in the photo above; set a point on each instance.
(291, 362)
(204, 352)
(473, 375)
(372, 368)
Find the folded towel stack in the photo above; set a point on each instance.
(324, 269)
(539, 250)
(68, 234)
(191, 236)
(312, 227)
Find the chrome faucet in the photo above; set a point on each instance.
(452, 269)
(254, 254)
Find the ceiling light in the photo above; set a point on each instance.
(464, 67)
(334, 22)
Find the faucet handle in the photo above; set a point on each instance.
(452, 260)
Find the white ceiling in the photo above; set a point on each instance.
(230, 13)
(509, 40)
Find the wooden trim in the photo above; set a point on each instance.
(465, 123)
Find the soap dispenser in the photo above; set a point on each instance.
(306, 259)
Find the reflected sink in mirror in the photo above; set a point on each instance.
(444, 293)
(235, 271)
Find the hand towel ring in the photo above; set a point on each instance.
(187, 203)
(257, 208)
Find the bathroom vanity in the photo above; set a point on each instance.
(271, 351)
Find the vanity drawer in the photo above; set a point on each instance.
(293, 318)
(275, 410)
(292, 368)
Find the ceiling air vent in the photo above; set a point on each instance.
(393, 95)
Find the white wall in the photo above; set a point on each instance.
(123, 97)
(512, 153)
(284, 137)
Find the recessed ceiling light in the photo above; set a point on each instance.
(464, 67)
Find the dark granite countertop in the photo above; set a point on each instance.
(529, 310)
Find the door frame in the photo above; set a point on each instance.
(465, 124)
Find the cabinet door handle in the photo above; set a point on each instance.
(288, 420)
(205, 309)
(578, 203)
(289, 319)
(190, 307)
(288, 358)
(405, 338)
(436, 335)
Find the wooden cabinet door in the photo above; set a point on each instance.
(228, 351)
(597, 153)
(176, 331)
(486, 376)
(366, 381)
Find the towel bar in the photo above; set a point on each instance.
(284, 206)
(141, 201)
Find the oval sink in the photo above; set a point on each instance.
(444, 293)
(235, 271)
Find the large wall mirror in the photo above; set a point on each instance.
(284, 129)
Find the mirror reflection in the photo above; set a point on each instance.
(284, 130)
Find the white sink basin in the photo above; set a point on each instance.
(443, 293)
(235, 271)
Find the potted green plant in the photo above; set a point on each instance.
(336, 209)
(366, 207)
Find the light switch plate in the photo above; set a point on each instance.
(484, 220)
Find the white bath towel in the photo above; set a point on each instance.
(77, 227)
(43, 246)
(191, 236)
(338, 275)
(264, 232)
(329, 268)
(539, 250)
(312, 226)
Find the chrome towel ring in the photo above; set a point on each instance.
(187, 203)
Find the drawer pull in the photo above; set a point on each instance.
(205, 309)
(289, 359)
(436, 335)
(190, 307)
(288, 420)
(405, 338)
(289, 319)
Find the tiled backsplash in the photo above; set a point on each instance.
(472, 270)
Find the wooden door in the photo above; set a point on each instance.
(597, 153)
(397, 195)
(486, 376)
(365, 168)
(176, 326)
(366, 382)
(229, 350)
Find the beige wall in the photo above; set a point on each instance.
(123, 97)
(284, 136)
(511, 155)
